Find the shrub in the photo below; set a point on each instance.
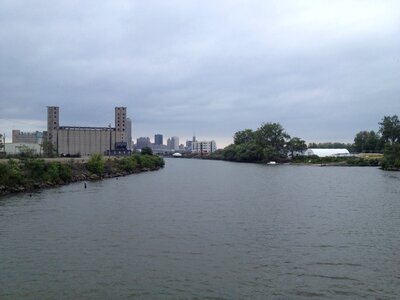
(35, 168)
(64, 172)
(11, 174)
(129, 164)
(148, 161)
(96, 164)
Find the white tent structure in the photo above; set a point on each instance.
(327, 152)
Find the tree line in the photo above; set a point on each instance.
(270, 142)
(386, 140)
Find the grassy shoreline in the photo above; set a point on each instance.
(361, 160)
(34, 174)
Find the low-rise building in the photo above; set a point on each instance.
(143, 142)
(327, 152)
(204, 147)
(18, 148)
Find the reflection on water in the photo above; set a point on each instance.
(207, 229)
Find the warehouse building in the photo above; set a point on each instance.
(76, 140)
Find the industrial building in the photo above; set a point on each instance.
(19, 136)
(75, 140)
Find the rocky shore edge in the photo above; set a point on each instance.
(23, 175)
(82, 177)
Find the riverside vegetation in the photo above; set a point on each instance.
(28, 174)
(270, 142)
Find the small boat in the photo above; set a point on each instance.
(271, 163)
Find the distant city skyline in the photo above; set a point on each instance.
(324, 70)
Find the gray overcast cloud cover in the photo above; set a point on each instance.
(323, 69)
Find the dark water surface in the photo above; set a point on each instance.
(207, 230)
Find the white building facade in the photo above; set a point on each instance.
(18, 148)
(204, 147)
(175, 143)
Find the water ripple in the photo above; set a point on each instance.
(241, 232)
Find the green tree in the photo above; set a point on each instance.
(243, 136)
(230, 152)
(247, 152)
(25, 151)
(48, 149)
(1, 143)
(272, 138)
(391, 157)
(367, 141)
(390, 129)
(296, 144)
(147, 150)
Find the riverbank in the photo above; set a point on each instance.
(360, 160)
(352, 161)
(33, 174)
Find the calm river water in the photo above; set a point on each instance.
(207, 230)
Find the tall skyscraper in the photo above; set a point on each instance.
(175, 142)
(158, 139)
(169, 143)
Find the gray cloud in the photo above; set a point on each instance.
(323, 69)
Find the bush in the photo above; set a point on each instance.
(64, 171)
(35, 168)
(129, 164)
(148, 161)
(96, 164)
(11, 174)
(391, 160)
(38, 170)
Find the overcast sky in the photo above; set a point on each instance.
(323, 69)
